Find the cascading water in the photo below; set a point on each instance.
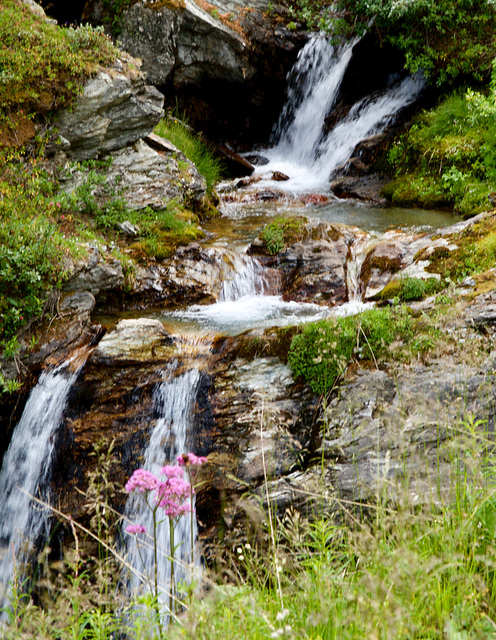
(26, 468)
(302, 150)
(173, 403)
(247, 278)
(244, 303)
(317, 77)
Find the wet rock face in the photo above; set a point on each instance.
(115, 109)
(256, 423)
(224, 63)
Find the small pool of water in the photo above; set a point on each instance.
(243, 217)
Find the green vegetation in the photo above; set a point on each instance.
(157, 233)
(448, 157)
(410, 289)
(42, 67)
(404, 573)
(193, 147)
(475, 252)
(443, 38)
(276, 235)
(31, 245)
(323, 350)
(394, 569)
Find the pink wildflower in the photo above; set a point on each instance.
(172, 496)
(185, 459)
(141, 481)
(135, 528)
(172, 472)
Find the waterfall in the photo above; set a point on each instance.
(247, 278)
(302, 149)
(174, 400)
(26, 467)
(314, 87)
(367, 117)
(357, 253)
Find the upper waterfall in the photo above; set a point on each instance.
(302, 148)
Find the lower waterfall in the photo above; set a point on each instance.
(26, 468)
(174, 400)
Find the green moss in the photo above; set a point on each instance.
(475, 252)
(409, 289)
(281, 232)
(417, 190)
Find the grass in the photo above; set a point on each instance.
(194, 148)
(406, 570)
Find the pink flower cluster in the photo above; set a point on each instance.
(172, 494)
(187, 459)
(135, 528)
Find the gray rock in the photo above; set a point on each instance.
(148, 178)
(95, 275)
(116, 108)
(138, 340)
(79, 303)
(186, 43)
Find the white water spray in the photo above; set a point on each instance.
(174, 400)
(246, 278)
(26, 467)
(303, 151)
(317, 77)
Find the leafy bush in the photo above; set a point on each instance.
(194, 148)
(323, 350)
(443, 38)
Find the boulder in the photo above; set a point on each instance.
(115, 109)
(151, 178)
(95, 275)
(140, 340)
(201, 51)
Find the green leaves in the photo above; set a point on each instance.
(444, 38)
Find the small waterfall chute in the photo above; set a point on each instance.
(246, 277)
(245, 302)
(27, 464)
(174, 400)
